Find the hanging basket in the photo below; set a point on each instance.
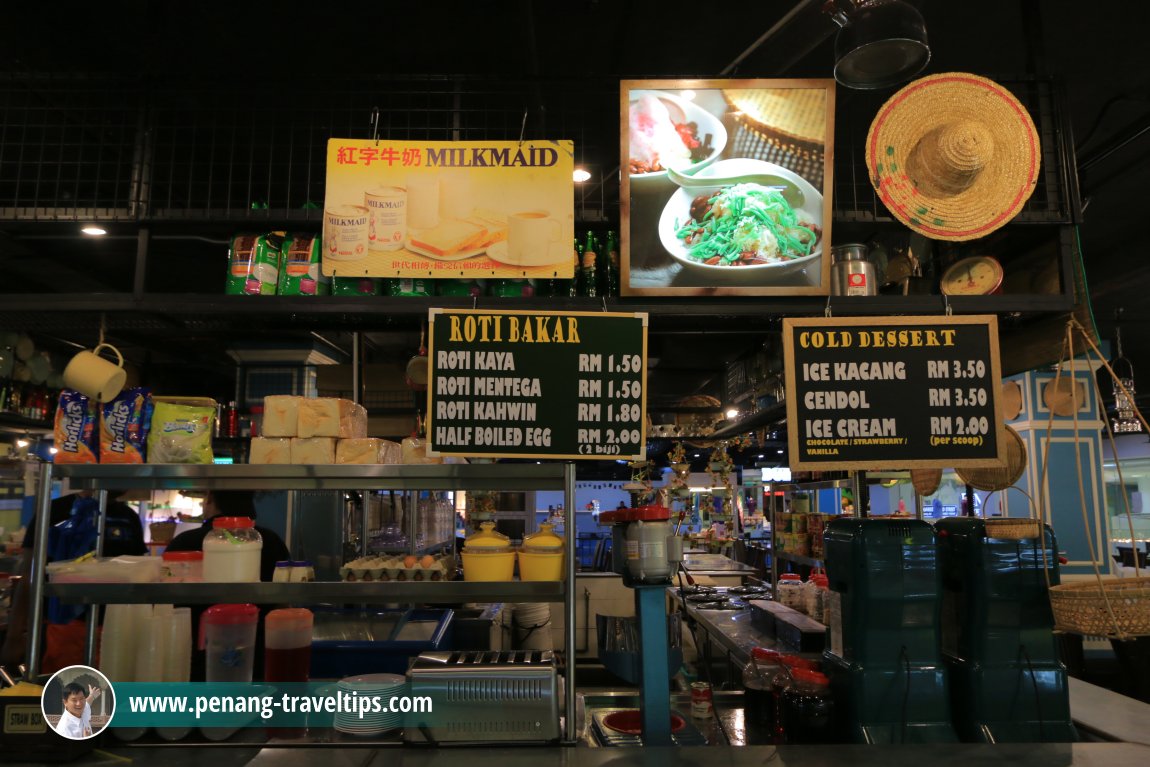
(162, 532)
(1008, 529)
(1013, 528)
(1115, 608)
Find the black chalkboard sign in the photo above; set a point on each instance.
(893, 392)
(537, 384)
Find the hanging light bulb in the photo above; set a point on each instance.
(1124, 421)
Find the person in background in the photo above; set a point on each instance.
(76, 721)
(234, 503)
(64, 634)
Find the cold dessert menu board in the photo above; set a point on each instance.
(537, 384)
(893, 392)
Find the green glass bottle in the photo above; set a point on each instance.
(609, 266)
(587, 278)
(577, 258)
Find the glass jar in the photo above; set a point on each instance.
(758, 699)
(807, 709)
(232, 551)
(790, 591)
(183, 566)
(815, 596)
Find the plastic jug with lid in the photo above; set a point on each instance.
(228, 637)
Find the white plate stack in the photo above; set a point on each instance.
(382, 687)
(532, 626)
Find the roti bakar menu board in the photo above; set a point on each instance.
(537, 384)
(893, 392)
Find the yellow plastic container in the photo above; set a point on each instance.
(488, 566)
(542, 556)
(541, 567)
(488, 556)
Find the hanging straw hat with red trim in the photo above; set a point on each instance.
(953, 156)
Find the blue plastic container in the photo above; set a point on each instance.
(395, 637)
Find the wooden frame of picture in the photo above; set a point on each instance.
(779, 131)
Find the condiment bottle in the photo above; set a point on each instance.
(758, 700)
(283, 571)
(232, 551)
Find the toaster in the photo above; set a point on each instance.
(485, 696)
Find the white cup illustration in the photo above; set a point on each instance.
(423, 200)
(533, 237)
(456, 196)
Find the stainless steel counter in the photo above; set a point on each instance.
(717, 564)
(950, 755)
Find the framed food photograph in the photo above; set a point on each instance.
(726, 187)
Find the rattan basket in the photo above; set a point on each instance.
(1110, 607)
(162, 532)
(1013, 529)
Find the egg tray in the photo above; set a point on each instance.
(393, 570)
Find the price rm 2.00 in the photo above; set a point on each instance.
(945, 425)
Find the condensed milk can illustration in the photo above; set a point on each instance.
(345, 232)
(386, 217)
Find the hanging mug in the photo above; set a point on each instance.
(95, 377)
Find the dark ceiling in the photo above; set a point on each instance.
(560, 62)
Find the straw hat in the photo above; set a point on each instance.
(953, 156)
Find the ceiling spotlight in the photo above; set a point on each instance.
(761, 455)
(23, 442)
(94, 231)
(780, 452)
(881, 43)
(579, 176)
(732, 413)
(53, 450)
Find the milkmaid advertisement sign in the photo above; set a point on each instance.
(449, 209)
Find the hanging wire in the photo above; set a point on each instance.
(375, 125)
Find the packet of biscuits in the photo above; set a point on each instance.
(181, 430)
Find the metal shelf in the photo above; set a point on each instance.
(798, 559)
(35, 309)
(826, 484)
(422, 592)
(330, 477)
